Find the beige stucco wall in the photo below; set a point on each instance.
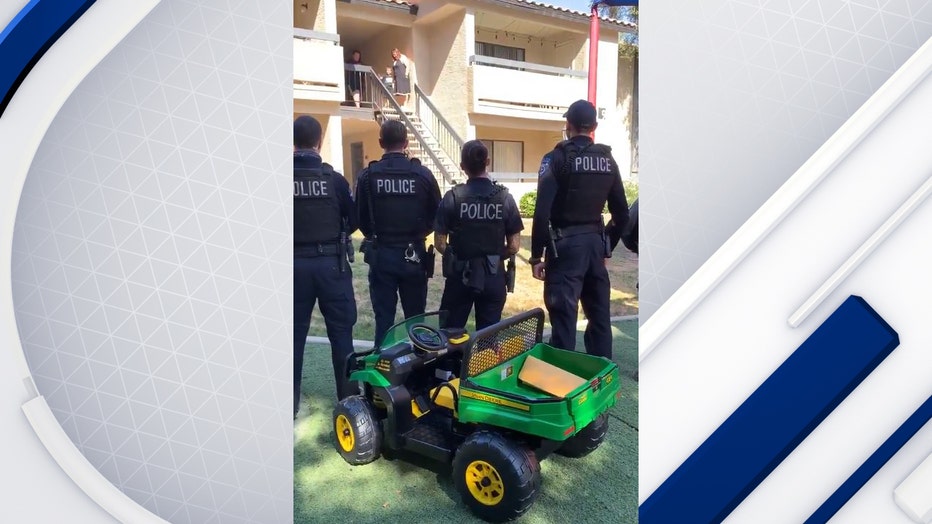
(319, 16)
(536, 143)
(444, 79)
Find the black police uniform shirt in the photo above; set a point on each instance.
(451, 212)
(408, 200)
(318, 190)
(549, 190)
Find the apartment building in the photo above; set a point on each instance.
(503, 71)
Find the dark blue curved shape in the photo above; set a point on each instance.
(29, 35)
(778, 416)
(873, 464)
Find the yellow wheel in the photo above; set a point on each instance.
(496, 477)
(344, 433)
(356, 430)
(484, 483)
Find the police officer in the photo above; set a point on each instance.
(323, 221)
(484, 227)
(576, 179)
(396, 202)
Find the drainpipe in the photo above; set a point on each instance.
(593, 50)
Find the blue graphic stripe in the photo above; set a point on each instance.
(774, 419)
(29, 35)
(873, 464)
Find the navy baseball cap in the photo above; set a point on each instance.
(581, 114)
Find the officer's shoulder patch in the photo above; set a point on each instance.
(415, 161)
(372, 163)
(544, 164)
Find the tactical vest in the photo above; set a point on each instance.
(317, 217)
(478, 225)
(585, 179)
(397, 211)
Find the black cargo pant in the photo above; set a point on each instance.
(319, 280)
(579, 275)
(458, 300)
(391, 278)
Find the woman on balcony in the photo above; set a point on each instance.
(401, 74)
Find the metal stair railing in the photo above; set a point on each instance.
(449, 141)
(377, 94)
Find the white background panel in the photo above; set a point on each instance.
(738, 335)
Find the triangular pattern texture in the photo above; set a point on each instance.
(735, 96)
(155, 333)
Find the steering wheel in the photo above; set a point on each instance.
(427, 338)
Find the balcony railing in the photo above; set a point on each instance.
(317, 59)
(307, 34)
(522, 89)
(363, 78)
(525, 66)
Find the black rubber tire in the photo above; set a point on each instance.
(367, 432)
(515, 463)
(587, 440)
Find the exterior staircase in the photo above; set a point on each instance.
(431, 139)
(420, 140)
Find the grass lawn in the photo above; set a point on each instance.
(529, 293)
(599, 488)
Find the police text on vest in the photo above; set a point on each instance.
(311, 188)
(475, 211)
(590, 164)
(394, 187)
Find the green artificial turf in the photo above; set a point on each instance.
(601, 487)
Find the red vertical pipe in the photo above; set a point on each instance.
(593, 50)
(593, 54)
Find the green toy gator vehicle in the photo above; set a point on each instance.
(494, 404)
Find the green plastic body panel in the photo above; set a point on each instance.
(554, 420)
(369, 375)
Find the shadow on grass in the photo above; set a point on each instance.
(404, 488)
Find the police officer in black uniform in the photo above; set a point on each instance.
(396, 202)
(484, 228)
(323, 221)
(576, 179)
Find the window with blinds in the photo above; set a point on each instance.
(506, 156)
(500, 51)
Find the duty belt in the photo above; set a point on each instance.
(400, 243)
(318, 250)
(571, 231)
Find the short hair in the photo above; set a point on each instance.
(307, 132)
(473, 157)
(393, 134)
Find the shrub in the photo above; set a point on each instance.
(631, 191)
(526, 205)
(529, 199)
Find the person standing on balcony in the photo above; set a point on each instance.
(354, 77)
(401, 75)
(576, 179)
(323, 221)
(482, 223)
(396, 202)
